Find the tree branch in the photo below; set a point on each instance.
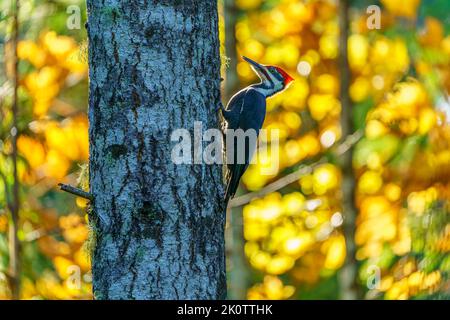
(7, 191)
(75, 191)
(294, 176)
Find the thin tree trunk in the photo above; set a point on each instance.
(232, 80)
(14, 245)
(348, 273)
(238, 270)
(159, 227)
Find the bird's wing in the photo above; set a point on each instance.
(248, 119)
(233, 111)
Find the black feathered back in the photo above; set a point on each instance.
(246, 110)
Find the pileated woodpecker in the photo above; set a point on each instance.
(247, 110)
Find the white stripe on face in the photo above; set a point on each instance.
(261, 74)
(269, 88)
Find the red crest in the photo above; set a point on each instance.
(287, 78)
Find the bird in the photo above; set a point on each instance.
(246, 110)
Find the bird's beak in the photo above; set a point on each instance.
(259, 68)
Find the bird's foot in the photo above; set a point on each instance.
(221, 107)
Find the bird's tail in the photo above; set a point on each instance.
(233, 184)
(229, 194)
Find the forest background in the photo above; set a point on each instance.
(288, 236)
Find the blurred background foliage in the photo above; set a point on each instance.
(287, 244)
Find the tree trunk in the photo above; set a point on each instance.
(238, 270)
(14, 243)
(349, 272)
(232, 80)
(158, 226)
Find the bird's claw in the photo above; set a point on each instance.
(220, 108)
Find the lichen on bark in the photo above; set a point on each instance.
(154, 67)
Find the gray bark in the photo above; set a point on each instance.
(158, 226)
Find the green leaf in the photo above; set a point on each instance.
(408, 150)
(385, 147)
(360, 111)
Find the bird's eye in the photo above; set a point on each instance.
(275, 72)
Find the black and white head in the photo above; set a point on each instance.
(273, 78)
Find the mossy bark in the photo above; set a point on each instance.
(159, 227)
